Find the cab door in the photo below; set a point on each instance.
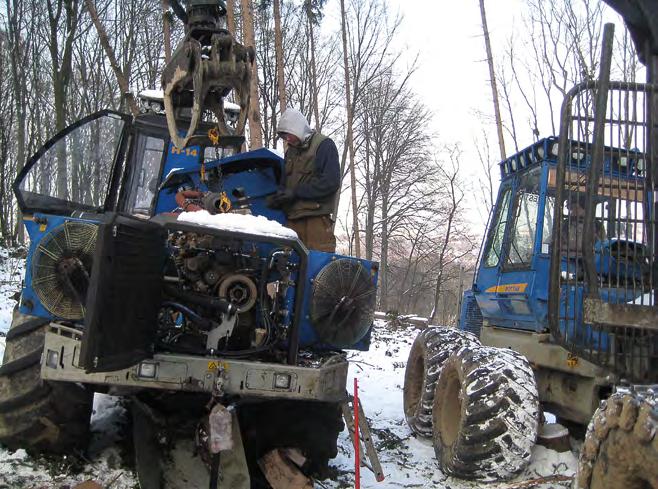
(507, 272)
(517, 287)
(76, 170)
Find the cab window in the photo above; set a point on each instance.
(524, 223)
(147, 163)
(495, 244)
(73, 170)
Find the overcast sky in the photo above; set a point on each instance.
(453, 77)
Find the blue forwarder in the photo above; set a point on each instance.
(224, 332)
(122, 296)
(563, 311)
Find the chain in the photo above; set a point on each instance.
(224, 202)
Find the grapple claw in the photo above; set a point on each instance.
(206, 65)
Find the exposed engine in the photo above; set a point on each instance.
(224, 297)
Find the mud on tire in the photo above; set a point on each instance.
(620, 448)
(486, 414)
(51, 417)
(429, 352)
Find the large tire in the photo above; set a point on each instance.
(429, 352)
(49, 417)
(620, 448)
(486, 414)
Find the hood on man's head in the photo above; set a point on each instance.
(293, 122)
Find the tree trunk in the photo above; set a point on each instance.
(118, 72)
(60, 123)
(350, 134)
(492, 75)
(62, 67)
(255, 132)
(19, 81)
(166, 30)
(383, 260)
(314, 75)
(444, 248)
(278, 47)
(230, 17)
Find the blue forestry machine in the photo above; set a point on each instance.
(218, 324)
(563, 311)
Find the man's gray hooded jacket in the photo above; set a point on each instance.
(312, 169)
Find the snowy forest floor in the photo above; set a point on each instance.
(408, 462)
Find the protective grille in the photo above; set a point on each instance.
(471, 316)
(61, 266)
(342, 302)
(602, 290)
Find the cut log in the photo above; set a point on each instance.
(554, 436)
(281, 473)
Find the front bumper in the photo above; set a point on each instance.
(220, 376)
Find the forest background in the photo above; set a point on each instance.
(422, 100)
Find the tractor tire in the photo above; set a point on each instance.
(432, 347)
(486, 414)
(620, 448)
(39, 416)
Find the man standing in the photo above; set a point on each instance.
(312, 182)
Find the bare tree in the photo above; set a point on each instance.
(313, 9)
(278, 48)
(230, 17)
(454, 201)
(255, 131)
(350, 133)
(492, 76)
(166, 29)
(121, 77)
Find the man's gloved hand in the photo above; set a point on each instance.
(280, 199)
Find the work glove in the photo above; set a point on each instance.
(280, 199)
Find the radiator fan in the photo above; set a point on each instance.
(342, 303)
(61, 266)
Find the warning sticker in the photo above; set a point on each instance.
(214, 365)
(572, 361)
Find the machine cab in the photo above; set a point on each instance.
(110, 162)
(512, 281)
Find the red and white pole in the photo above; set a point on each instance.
(357, 441)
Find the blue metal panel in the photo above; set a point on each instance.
(317, 261)
(257, 182)
(470, 316)
(39, 226)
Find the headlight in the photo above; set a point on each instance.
(52, 358)
(282, 381)
(147, 370)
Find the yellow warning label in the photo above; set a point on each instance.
(214, 365)
(507, 288)
(42, 227)
(572, 361)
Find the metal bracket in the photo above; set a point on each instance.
(224, 330)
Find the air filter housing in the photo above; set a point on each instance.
(61, 267)
(342, 302)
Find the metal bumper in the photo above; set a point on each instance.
(221, 376)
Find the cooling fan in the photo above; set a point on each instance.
(342, 303)
(61, 266)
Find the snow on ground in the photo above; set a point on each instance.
(242, 223)
(407, 461)
(12, 266)
(103, 463)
